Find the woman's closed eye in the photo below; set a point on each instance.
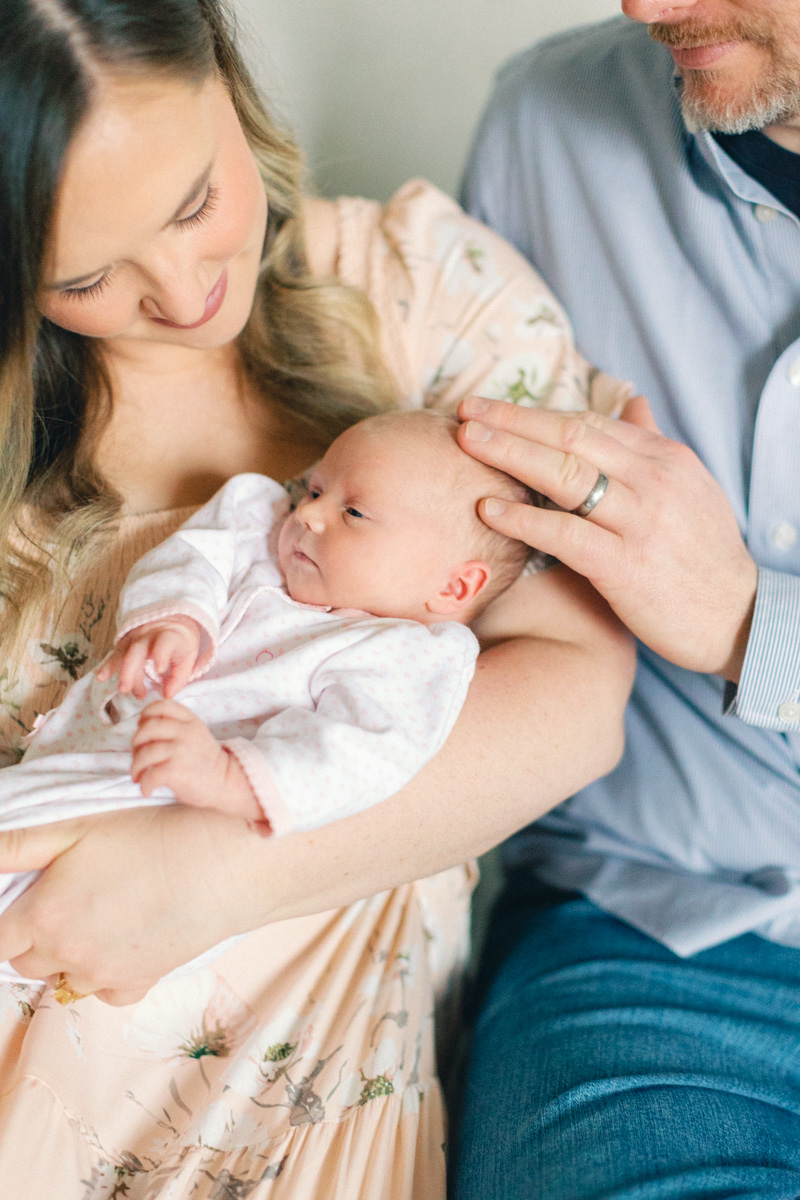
(201, 214)
(205, 210)
(90, 290)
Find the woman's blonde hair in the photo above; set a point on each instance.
(310, 346)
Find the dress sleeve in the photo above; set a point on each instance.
(196, 571)
(461, 310)
(382, 707)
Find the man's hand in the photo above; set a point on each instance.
(173, 748)
(171, 645)
(662, 546)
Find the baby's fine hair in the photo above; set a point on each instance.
(506, 556)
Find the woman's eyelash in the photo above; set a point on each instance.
(196, 218)
(204, 211)
(94, 289)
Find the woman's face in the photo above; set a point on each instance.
(160, 218)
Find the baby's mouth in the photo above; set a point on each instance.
(302, 557)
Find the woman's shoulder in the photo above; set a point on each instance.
(346, 236)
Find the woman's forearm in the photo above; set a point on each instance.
(543, 718)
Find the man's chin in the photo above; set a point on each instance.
(709, 104)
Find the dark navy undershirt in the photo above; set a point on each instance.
(776, 169)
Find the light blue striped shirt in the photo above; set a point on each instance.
(682, 274)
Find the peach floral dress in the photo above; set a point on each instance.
(301, 1064)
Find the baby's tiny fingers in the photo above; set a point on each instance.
(154, 777)
(179, 676)
(157, 729)
(131, 670)
(168, 708)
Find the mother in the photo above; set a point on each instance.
(173, 312)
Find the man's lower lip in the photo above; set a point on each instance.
(699, 57)
(213, 305)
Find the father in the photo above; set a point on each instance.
(638, 1034)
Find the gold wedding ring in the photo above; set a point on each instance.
(64, 994)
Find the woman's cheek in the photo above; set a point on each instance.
(99, 318)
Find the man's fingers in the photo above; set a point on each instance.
(637, 412)
(580, 544)
(565, 473)
(562, 430)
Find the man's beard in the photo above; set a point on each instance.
(709, 102)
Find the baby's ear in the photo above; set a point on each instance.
(464, 584)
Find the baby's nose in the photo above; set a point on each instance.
(310, 515)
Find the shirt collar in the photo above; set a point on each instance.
(736, 179)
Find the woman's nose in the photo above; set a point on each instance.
(178, 287)
(649, 11)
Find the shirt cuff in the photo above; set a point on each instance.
(769, 688)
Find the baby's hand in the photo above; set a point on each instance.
(173, 748)
(172, 645)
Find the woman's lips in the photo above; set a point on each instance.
(698, 57)
(213, 305)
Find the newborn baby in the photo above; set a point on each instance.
(321, 656)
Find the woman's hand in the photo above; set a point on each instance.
(662, 546)
(126, 897)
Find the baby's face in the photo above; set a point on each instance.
(374, 532)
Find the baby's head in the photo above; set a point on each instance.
(390, 524)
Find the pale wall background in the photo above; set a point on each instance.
(380, 90)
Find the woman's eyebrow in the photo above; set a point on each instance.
(190, 195)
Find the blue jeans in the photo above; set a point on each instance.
(604, 1067)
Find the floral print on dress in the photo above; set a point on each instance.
(192, 1016)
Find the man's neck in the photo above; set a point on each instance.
(787, 135)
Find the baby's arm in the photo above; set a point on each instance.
(195, 573)
(173, 748)
(380, 707)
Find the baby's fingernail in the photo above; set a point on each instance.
(493, 508)
(473, 406)
(477, 432)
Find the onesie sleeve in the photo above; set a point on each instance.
(462, 311)
(382, 707)
(197, 570)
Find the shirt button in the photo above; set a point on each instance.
(793, 373)
(789, 711)
(764, 213)
(784, 536)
